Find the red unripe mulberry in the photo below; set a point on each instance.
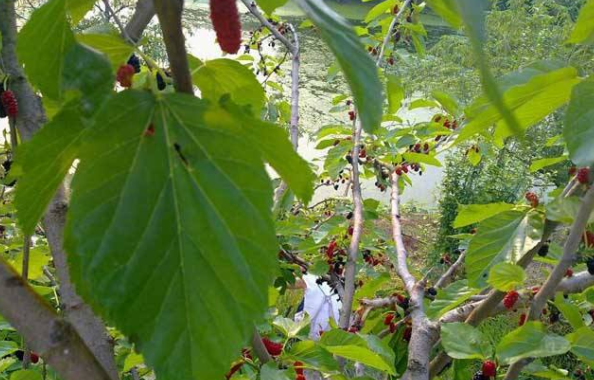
(522, 319)
(300, 377)
(225, 21)
(583, 175)
(588, 239)
(273, 348)
(489, 368)
(125, 74)
(10, 103)
(569, 272)
(532, 198)
(298, 368)
(389, 318)
(510, 299)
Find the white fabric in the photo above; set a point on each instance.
(321, 305)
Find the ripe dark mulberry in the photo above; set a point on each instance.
(352, 115)
(510, 299)
(583, 175)
(590, 265)
(225, 21)
(522, 319)
(569, 272)
(161, 85)
(125, 74)
(9, 103)
(389, 318)
(543, 250)
(134, 61)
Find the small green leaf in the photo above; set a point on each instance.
(449, 298)
(356, 64)
(530, 341)
(462, 341)
(395, 93)
(78, 9)
(313, 355)
(584, 27)
(536, 165)
(505, 237)
(447, 10)
(113, 46)
(7, 347)
(380, 9)
(47, 34)
(579, 123)
(372, 286)
(270, 5)
(506, 276)
(218, 77)
(428, 159)
(470, 214)
(448, 103)
(570, 311)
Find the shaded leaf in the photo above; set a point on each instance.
(530, 341)
(578, 130)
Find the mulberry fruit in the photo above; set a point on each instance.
(522, 319)
(352, 115)
(125, 74)
(569, 272)
(273, 348)
(583, 175)
(161, 85)
(432, 292)
(510, 299)
(298, 368)
(389, 318)
(134, 61)
(543, 250)
(225, 21)
(407, 334)
(9, 103)
(588, 239)
(532, 198)
(489, 368)
(590, 265)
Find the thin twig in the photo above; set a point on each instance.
(117, 20)
(445, 279)
(391, 30)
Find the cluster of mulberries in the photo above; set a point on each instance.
(225, 21)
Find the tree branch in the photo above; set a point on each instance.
(170, 19)
(142, 16)
(547, 290)
(45, 332)
(380, 56)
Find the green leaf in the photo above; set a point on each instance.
(504, 238)
(364, 356)
(313, 355)
(449, 104)
(47, 34)
(26, 374)
(474, 157)
(7, 347)
(530, 103)
(530, 341)
(449, 298)
(270, 5)
(270, 371)
(462, 341)
(45, 160)
(471, 214)
(335, 160)
(422, 158)
(188, 206)
(372, 286)
(289, 327)
(78, 9)
(38, 258)
(570, 311)
(578, 130)
(584, 27)
(506, 276)
(113, 46)
(356, 64)
(218, 77)
(536, 165)
(582, 344)
(380, 9)
(395, 92)
(446, 9)
(422, 103)
(276, 149)
(47, 157)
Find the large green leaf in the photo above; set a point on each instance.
(530, 341)
(504, 237)
(449, 298)
(45, 160)
(530, 103)
(78, 9)
(218, 77)
(380, 9)
(579, 124)
(113, 46)
(169, 231)
(42, 46)
(356, 64)
(463, 341)
(270, 5)
(584, 27)
(470, 214)
(570, 311)
(582, 344)
(506, 276)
